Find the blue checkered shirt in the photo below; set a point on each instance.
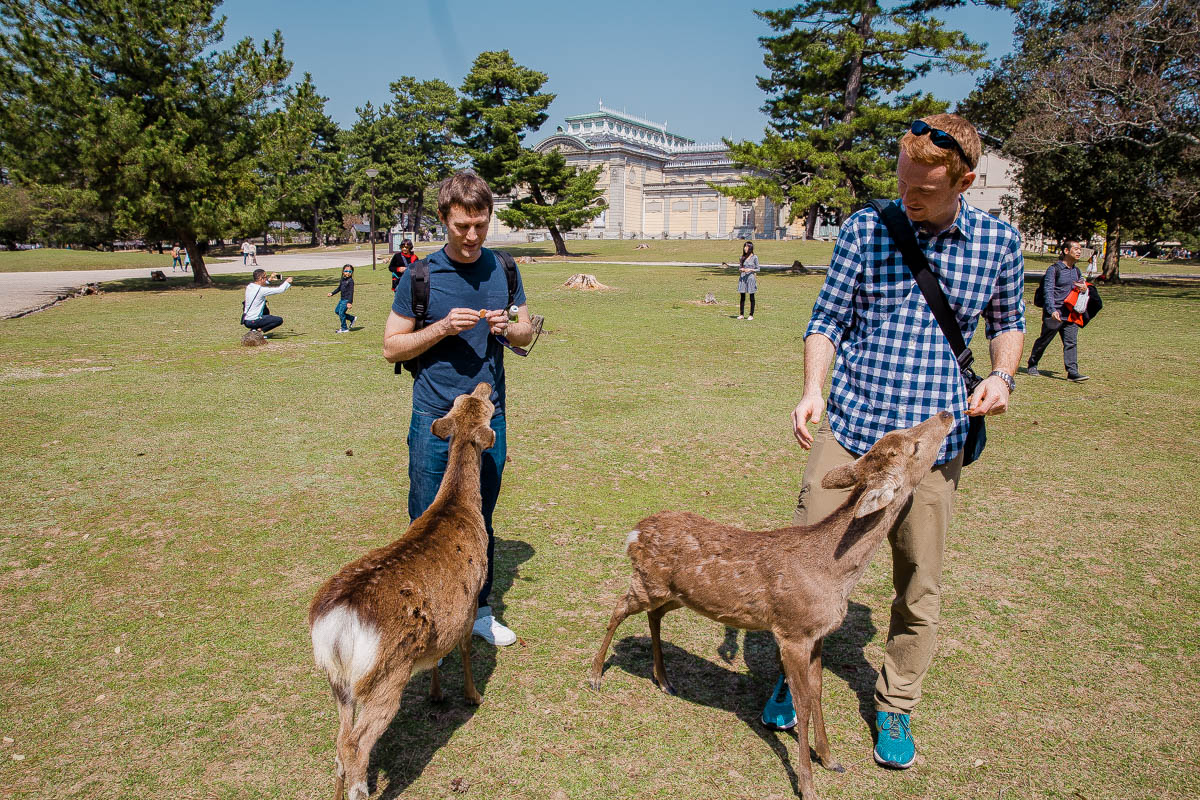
(894, 365)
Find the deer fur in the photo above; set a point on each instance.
(794, 582)
(401, 607)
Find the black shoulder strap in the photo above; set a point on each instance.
(902, 234)
(510, 273)
(420, 291)
(420, 298)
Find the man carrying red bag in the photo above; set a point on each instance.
(1062, 313)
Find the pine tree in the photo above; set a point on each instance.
(502, 102)
(409, 141)
(131, 100)
(838, 70)
(301, 160)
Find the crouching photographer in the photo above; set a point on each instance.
(255, 314)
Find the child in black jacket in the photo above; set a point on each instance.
(346, 290)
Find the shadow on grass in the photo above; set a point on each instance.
(421, 727)
(698, 680)
(771, 272)
(229, 282)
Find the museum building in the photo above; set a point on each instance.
(656, 184)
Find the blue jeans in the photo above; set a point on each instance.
(264, 323)
(427, 456)
(341, 312)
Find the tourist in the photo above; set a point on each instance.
(346, 302)
(455, 350)
(176, 259)
(747, 280)
(1061, 278)
(245, 251)
(894, 368)
(400, 261)
(255, 314)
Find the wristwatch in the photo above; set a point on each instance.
(1008, 379)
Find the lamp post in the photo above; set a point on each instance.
(371, 173)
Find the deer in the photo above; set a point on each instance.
(794, 582)
(402, 607)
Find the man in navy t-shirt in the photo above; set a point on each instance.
(456, 349)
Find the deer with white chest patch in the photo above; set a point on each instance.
(401, 607)
(794, 582)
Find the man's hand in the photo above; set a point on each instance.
(808, 410)
(1057, 316)
(459, 320)
(497, 322)
(990, 398)
(349, 305)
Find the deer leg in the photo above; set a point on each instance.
(345, 724)
(632, 603)
(655, 616)
(820, 739)
(469, 691)
(377, 711)
(796, 657)
(435, 685)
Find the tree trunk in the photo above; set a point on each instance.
(1112, 247)
(854, 79)
(316, 225)
(560, 244)
(200, 276)
(810, 223)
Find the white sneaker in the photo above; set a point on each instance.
(488, 628)
(750, 317)
(741, 316)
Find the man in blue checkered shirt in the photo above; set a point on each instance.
(894, 368)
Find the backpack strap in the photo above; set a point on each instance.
(510, 274)
(420, 306)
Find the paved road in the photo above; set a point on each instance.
(21, 291)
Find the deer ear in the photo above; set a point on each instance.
(485, 438)
(441, 428)
(878, 495)
(841, 477)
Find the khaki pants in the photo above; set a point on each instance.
(918, 542)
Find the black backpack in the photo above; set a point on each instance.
(420, 299)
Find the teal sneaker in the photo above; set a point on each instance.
(894, 745)
(779, 713)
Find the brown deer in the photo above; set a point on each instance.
(794, 582)
(400, 608)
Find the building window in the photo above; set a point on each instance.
(654, 207)
(708, 204)
(681, 205)
(599, 221)
(747, 216)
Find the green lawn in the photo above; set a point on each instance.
(704, 250)
(171, 501)
(51, 260)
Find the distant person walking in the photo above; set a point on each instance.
(187, 260)
(747, 280)
(253, 254)
(346, 290)
(176, 260)
(1058, 319)
(401, 261)
(245, 251)
(256, 315)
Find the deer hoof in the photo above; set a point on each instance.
(475, 698)
(666, 687)
(834, 766)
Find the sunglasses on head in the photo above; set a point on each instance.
(939, 137)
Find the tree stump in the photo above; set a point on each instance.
(642, 246)
(710, 299)
(254, 338)
(582, 280)
(799, 268)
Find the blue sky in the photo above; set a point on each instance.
(689, 63)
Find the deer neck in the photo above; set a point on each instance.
(461, 482)
(850, 541)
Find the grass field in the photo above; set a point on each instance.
(171, 501)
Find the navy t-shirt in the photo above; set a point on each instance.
(456, 364)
